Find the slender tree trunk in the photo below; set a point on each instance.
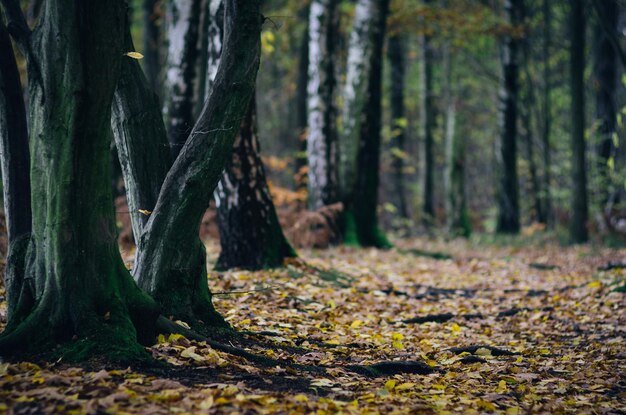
(427, 124)
(250, 234)
(183, 23)
(457, 217)
(322, 143)
(547, 115)
(152, 43)
(605, 85)
(168, 266)
(14, 161)
(360, 141)
(580, 209)
(506, 149)
(396, 50)
(301, 106)
(82, 289)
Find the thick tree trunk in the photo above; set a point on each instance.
(396, 50)
(152, 43)
(183, 22)
(82, 289)
(427, 124)
(580, 209)
(360, 141)
(506, 146)
(457, 217)
(250, 234)
(605, 85)
(547, 116)
(172, 264)
(322, 143)
(14, 161)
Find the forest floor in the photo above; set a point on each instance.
(480, 328)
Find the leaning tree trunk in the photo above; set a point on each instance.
(457, 217)
(580, 209)
(396, 50)
(605, 85)
(250, 235)
(14, 161)
(360, 140)
(427, 123)
(183, 27)
(506, 145)
(84, 298)
(172, 264)
(322, 155)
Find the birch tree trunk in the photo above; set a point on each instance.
(506, 146)
(580, 209)
(360, 140)
(322, 154)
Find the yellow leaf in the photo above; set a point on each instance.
(405, 386)
(483, 351)
(356, 324)
(301, 398)
(134, 55)
(544, 351)
(183, 324)
(455, 328)
(160, 339)
(206, 404)
(594, 284)
(332, 304)
(398, 345)
(513, 411)
(390, 384)
(144, 212)
(397, 336)
(502, 388)
(486, 405)
(174, 337)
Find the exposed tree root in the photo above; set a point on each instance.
(495, 351)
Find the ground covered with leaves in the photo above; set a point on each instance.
(428, 327)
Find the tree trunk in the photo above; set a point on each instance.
(605, 85)
(506, 146)
(457, 217)
(301, 106)
(183, 23)
(14, 161)
(172, 264)
(396, 50)
(250, 234)
(427, 124)
(152, 43)
(360, 141)
(580, 210)
(322, 143)
(547, 116)
(82, 289)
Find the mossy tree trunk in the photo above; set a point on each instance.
(507, 189)
(322, 152)
(82, 290)
(396, 50)
(580, 207)
(360, 139)
(172, 264)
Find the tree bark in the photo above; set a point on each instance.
(301, 106)
(580, 209)
(183, 23)
(172, 264)
(152, 43)
(14, 162)
(250, 234)
(506, 146)
(396, 50)
(605, 85)
(81, 287)
(322, 143)
(427, 124)
(547, 116)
